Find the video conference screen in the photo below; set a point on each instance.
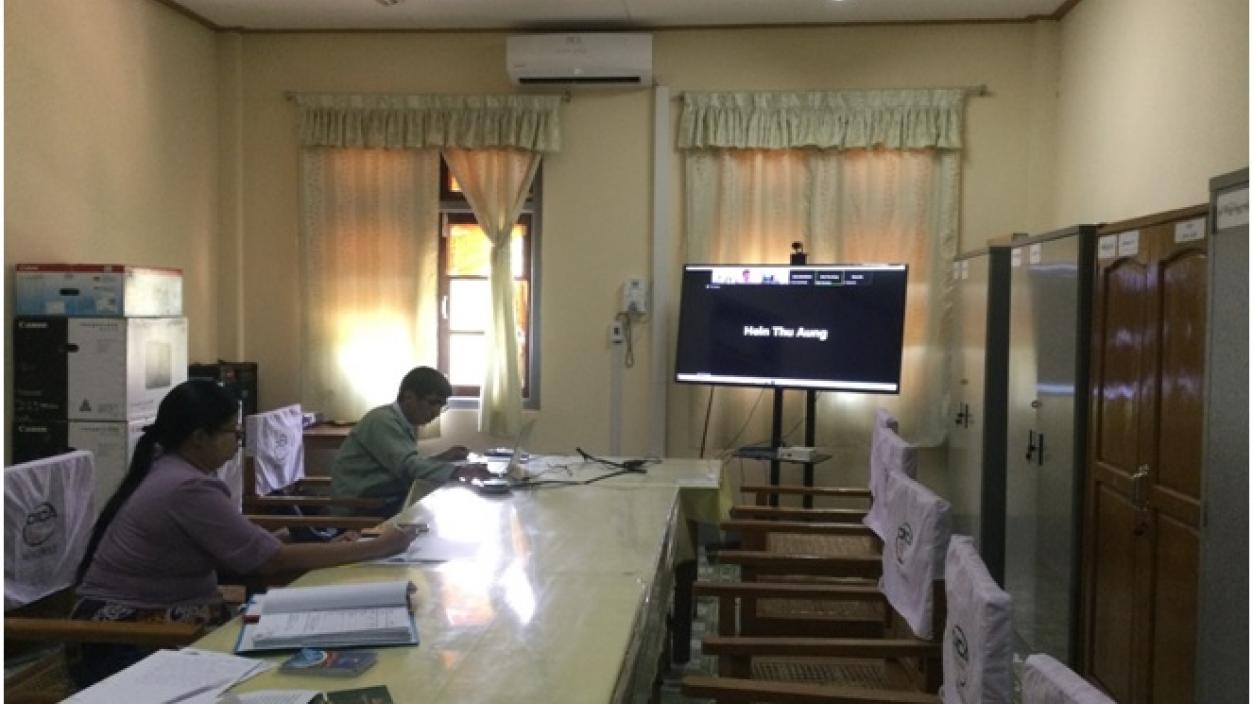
(836, 327)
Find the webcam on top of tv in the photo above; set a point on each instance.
(798, 254)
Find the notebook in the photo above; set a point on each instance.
(329, 617)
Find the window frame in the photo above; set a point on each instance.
(454, 209)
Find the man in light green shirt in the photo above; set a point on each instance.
(380, 459)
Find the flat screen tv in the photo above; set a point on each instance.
(836, 327)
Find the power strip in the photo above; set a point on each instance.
(803, 454)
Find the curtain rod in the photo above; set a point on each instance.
(979, 90)
(290, 95)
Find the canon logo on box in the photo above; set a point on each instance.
(31, 325)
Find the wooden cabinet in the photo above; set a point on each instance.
(1142, 497)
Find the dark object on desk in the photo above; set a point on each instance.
(332, 663)
(767, 453)
(364, 695)
(491, 487)
(239, 378)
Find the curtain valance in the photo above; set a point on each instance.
(895, 119)
(430, 121)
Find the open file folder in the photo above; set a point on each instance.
(329, 617)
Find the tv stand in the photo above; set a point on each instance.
(776, 441)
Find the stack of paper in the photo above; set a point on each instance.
(330, 617)
(186, 676)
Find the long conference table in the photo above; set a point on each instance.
(563, 597)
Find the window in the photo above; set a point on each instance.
(464, 290)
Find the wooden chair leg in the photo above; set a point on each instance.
(681, 631)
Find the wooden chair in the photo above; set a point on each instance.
(976, 654)
(765, 496)
(816, 545)
(908, 656)
(49, 515)
(276, 491)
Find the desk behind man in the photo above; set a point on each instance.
(380, 457)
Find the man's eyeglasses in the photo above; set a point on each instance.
(236, 431)
(437, 402)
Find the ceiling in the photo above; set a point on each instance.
(322, 15)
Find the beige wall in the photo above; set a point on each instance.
(111, 115)
(1153, 101)
(135, 134)
(597, 208)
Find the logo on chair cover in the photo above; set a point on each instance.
(961, 656)
(904, 538)
(41, 524)
(282, 446)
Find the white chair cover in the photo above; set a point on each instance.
(232, 475)
(888, 452)
(1047, 681)
(49, 510)
(913, 553)
(276, 444)
(978, 647)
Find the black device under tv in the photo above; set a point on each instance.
(817, 327)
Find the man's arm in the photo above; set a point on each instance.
(392, 446)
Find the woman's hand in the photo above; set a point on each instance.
(394, 539)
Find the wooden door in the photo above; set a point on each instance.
(1143, 489)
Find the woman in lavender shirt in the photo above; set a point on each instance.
(157, 546)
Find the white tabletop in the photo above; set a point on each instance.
(561, 597)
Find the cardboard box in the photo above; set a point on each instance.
(96, 368)
(111, 443)
(97, 290)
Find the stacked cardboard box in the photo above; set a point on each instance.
(95, 349)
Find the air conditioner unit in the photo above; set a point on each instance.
(591, 59)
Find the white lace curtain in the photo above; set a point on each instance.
(495, 183)
(369, 243)
(857, 176)
(369, 237)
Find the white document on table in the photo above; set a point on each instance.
(169, 676)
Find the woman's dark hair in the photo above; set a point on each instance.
(196, 404)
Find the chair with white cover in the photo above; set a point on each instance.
(276, 490)
(49, 510)
(1047, 681)
(778, 668)
(848, 553)
(49, 513)
(977, 653)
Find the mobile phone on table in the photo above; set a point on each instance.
(333, 663)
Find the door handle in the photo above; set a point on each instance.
(963, 416)
(1035, 447)
(443, 307)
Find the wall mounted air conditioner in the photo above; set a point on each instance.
(583, 60)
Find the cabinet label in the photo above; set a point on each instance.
(1129, 243)
(1107, 247)
(1015, 258)
(1033, 253)
(1232, 208)
(1190, 231)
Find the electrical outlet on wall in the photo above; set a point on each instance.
(615, 333)
(635, 296)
